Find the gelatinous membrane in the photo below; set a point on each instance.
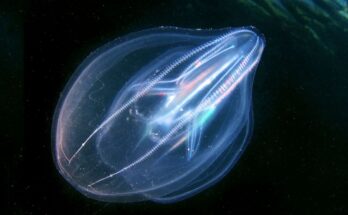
(159, 114)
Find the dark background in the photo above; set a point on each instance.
(296, 162)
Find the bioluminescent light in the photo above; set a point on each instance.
(157, 115)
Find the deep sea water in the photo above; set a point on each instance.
(296, 159)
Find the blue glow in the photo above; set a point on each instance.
(157, 115)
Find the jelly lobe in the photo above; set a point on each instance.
(177, 126)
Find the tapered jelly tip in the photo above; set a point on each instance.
(257, 32)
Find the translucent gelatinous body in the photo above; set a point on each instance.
(159, 115)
